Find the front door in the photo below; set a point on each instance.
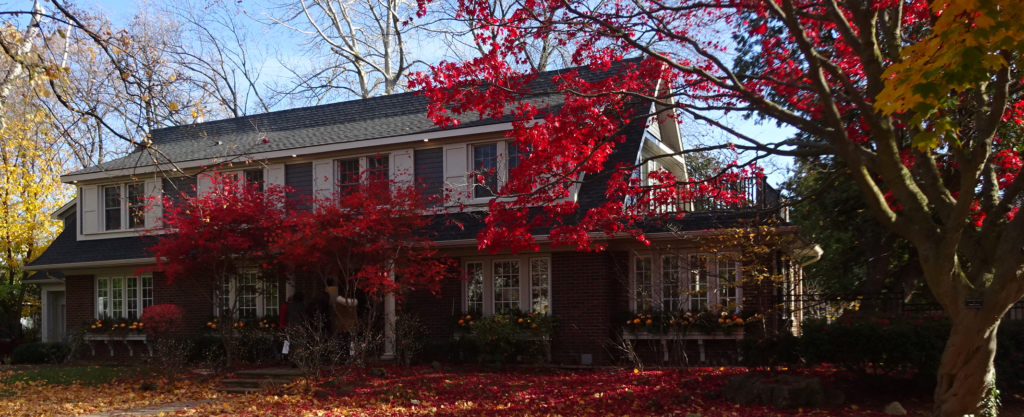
(56, 318)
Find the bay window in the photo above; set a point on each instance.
(124, 297)
(695, 282)
(496, 285)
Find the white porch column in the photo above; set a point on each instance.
(389, 322)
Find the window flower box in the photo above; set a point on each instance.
(735, 334)
(111, 338)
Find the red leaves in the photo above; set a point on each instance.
(220, 231)
(161, 319)
(362, 238)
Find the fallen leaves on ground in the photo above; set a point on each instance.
(536, 392)
(36, 398)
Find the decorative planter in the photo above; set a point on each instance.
(700, 337)
(109, 339)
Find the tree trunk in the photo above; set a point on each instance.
(966, 374)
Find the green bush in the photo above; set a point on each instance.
(1010, 353)
(512, 337)
(770, 351)
(877, 344)
(40, 353)
(206, 349)
(898, 345)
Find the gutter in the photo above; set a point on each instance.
(93, 264)
(812, 250)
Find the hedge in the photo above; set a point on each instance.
(897, 346)
(40, 353)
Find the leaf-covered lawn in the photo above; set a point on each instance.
(514, 393)
(418, 391)
(84, 390)
(82, 375)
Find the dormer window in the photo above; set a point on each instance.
(124, 205)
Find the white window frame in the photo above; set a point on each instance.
(124, 205)
(267, 297)
(525, 282)
(140, 297)
(364, 166)
(715, 289)
(501, 170)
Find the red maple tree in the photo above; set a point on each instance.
(370, 239)
(816, 66)
(214, 240)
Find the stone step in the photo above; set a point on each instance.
(271, 373)
(238, 390)
(256, 383)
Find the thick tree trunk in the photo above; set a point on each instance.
(966, 373)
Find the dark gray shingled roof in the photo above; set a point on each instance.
(66, 249)
(349, 121)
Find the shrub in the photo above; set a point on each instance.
(769, 352)
(506, 337)
(878, 344)
(161, 319)
(1010, 353)
(40, 353)
(206, 349)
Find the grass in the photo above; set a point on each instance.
(84, 375)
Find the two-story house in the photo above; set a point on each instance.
(91, 267)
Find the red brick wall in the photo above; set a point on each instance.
(436, 310)
(194, 298)
(587, 291)
(81, 300)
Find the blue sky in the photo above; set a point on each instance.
(119, 11)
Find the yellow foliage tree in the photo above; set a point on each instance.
(30, 190)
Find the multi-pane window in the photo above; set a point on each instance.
(255, 176)
(499, 285)
(699, 282)
(248, 297)
(271, 303)
(351, 172)
(136, 205)
(247, 293)
(475, 287)
(694, 282)
(485, 170)
(123, 297)
(348, 175)
(112, 208)
(643, 270)
(540, 285)
(728, 282)
(506, 285)
(124, 205)
(378, 168)
(671, 282)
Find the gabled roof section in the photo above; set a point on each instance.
(345, 122)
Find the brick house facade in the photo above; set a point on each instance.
(99, 256)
